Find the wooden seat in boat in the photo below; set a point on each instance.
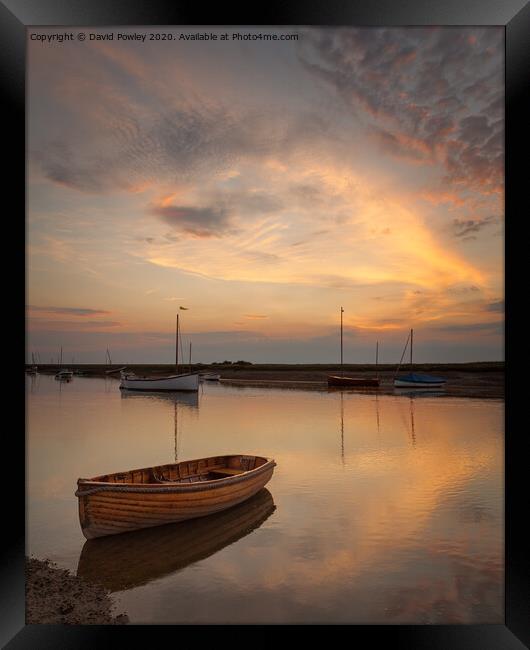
(228, 471)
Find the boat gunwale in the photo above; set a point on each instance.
(171, 486)
(136, 378)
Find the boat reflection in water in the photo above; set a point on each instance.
(420, 391)
(121, 562)
(173, 397)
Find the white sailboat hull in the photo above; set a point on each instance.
(189, 382)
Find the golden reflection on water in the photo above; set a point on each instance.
(388, 508)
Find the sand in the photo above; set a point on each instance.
(55, 595)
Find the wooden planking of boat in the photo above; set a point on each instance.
(165, 494)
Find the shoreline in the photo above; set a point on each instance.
(57, 596)
(474, 380)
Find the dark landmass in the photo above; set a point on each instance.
(56, 596)
(477, 379)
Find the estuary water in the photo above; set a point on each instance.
(384, 509)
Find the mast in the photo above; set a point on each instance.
(411, 335)
(376, 356)
(61, 358)
(342, 426)
(341, 368)
(177, 348)
(176, 432)
(190, 357)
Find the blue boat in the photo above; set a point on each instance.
(414, 379)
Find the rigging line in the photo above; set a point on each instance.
(401, 360)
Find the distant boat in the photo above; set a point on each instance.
(63, 374)
(414, 379)
(32, 370)
(165, 494)
(116, 370)
(185, 381)
(345, 381)
(209, 376)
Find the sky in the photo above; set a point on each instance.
(263, 185)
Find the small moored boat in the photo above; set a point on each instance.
(352, 382)
(337, 380)
(179, 381)
(419, 381)
(209, 376)
(188, 382)
(64, 375)
(413, 379)
(165, 494)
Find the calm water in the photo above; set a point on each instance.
(382, 509)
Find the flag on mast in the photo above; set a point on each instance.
(185, 308)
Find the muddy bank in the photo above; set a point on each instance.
(483, 380)
(459, 384)
(54, 595)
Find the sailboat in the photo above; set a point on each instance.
(185, 381)
(341, 380)
(63, 374)
(32, 370)
(414, 379)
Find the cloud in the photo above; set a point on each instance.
(497, 306)
(432, 95)
(463, 228)
(50, 325)
(255, 316)
(133, 147)
(496, 327)
(200, 222)
(72, 311)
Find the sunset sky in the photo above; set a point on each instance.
(263, 185)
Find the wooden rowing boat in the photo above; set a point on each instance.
(153, 496)
(120, 562)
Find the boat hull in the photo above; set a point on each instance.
(113, 508)
(188, 382)
(419, 381)
(400, 383)
(353, 381)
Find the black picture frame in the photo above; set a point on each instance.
(514, 15)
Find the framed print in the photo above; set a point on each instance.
(268, 258)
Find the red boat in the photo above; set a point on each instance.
(337, 380)
(353, 382)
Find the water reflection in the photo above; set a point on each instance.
(120, 562)
(390, 508)
(377, 419)
(173, 397)
(420, 391)
(177, 399)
